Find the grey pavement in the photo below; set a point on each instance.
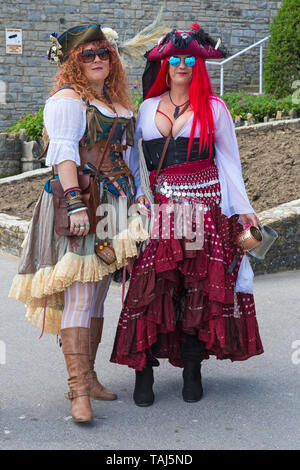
(246, 405)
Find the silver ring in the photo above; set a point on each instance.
(82, 227)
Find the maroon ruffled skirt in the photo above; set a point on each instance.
(174, 289)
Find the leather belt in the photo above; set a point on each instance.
(124, 171)
(114, 147)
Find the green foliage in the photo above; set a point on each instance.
(282, 65)
(136, 98)
(240, 104)
(32, 123)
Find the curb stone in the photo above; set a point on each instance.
(263, 126)
(27, 175)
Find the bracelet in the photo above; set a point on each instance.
(74, 201)
(70, 190)
(73, 195)
(79, 209)
(75, 205)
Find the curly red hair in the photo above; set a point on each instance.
(71, 74)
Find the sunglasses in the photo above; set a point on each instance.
(89, 55)
(189, 61)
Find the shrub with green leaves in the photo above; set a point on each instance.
(32, 123)
(240, 104)
(282, 64)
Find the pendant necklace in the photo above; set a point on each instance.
(177, 107)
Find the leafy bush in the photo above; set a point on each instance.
(242, 103)
(32, 123)
(282, 67)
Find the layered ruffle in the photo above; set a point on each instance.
(175, 291)
(46, 286)
(49, 264)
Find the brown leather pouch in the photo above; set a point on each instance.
(89, 198)
(105, 252)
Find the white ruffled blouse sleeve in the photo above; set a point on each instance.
(234, 195)
(65, 122)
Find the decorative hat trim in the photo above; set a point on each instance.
(112, 36)
(55, 51)
(62, 45)
(80, 27)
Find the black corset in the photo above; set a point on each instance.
(176, 152)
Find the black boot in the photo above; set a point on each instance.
(143, 394)
(192, 355)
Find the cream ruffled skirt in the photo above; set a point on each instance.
(50, 263)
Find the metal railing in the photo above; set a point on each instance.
(221, 64)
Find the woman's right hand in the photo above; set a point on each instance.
(77, 221)
(249, 219)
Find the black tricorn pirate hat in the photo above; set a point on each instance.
(73, 37)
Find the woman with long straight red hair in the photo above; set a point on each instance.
(190, 294)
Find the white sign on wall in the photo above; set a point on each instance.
(13, 41)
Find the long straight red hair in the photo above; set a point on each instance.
(200, 94)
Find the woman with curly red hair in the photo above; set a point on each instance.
(66, 265)
(188, 298)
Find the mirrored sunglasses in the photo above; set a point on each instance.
(89, 55)
(189, 61)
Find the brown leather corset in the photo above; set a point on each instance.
(109, 168)
(93, 155)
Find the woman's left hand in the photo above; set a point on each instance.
(251, 219)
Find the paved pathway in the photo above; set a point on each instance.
(248, 405)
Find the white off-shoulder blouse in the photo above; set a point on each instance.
(65, 122)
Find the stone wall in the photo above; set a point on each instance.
(12, 233)
(17, 154)
(27, 78)
(10, 154)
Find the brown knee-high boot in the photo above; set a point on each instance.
(75, 346)
(97, 391)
